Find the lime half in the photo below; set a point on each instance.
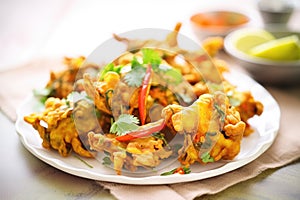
(286, 48)
(251, 38)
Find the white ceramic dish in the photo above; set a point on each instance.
(266, 128)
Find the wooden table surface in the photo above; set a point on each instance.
(58, 28)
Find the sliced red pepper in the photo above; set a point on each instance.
(143, 131)
(145, 88)
(179, 170)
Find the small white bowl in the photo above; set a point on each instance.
(264, 70)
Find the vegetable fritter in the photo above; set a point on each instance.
(57, 128)
(131, 109)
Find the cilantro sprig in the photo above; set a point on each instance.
(178, 170)
(135, 76)
(124, 124)
(108, 68)
(151, 57)
(106, 161)
(42, 94)
(206, 157)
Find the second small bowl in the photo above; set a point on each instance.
(264, 70)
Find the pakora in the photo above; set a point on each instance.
(137, 104)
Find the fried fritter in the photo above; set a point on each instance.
(141, 152)
(61, 83)
(216, 128)
(57, 128)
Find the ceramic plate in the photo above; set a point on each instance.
(266, 127)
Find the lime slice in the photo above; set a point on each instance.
(286, 48)
(251, 38)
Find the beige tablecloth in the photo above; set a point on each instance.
(18, 83)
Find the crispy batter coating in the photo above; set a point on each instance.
(61, 83)
(57, 128)
(100, 91)
(212, 129)
(228, 144)
(244, 103)
(143, 152)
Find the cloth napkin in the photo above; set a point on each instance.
(18, 83)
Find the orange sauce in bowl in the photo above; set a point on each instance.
(219, 19)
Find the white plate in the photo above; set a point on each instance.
(266, 128)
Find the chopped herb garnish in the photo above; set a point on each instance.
(150, 56)
(178, 170)
(134, 78)
(172, 75)
(106, 161)
(135, 63)
(160, 136)
(108, 68)
(205, 157)
(220, 112)
(124, 124)
(108, 95)
(87, 164)
(42, 94)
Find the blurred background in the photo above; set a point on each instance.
(55, 28)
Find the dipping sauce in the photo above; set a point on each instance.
(219, 19)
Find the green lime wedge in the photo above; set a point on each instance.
(251, 38)
(286, 48)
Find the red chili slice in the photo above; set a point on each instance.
(144, 93)
(143, 131)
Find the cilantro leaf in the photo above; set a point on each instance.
(86, 163)
(179, 170)
(110, 67)
(134, 78)
(160, 136)
(169, 172)
(151, 57)
(135, 63)
(207, 158)
(42, 94)
(220, 112)
(124, 124)
(106, 161)
(170, 74)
